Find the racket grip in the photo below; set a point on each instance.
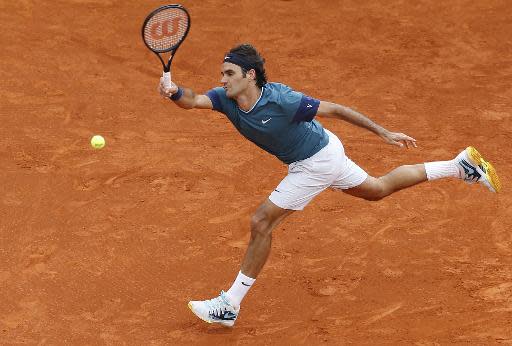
(167, 79)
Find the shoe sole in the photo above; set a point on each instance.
(490, 172)
(209, 321)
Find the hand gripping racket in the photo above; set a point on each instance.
(164, 30)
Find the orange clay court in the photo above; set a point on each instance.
(106, 247)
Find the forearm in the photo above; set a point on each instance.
(184, 98)
(333, 110)
(349, 115)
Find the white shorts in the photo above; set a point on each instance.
(330, 167)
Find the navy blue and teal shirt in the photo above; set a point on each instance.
(281, 122)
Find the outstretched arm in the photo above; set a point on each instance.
(187, 97)
(333, 110)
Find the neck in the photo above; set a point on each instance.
(247, 99)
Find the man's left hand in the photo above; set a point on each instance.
(399, 139)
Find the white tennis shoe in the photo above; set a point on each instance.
(216, 310)
(474, 169)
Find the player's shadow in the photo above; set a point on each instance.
(201, 327)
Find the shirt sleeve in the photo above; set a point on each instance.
(298, 106)
(213, 95)
(307, 109)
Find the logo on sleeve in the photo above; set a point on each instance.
(265, 121)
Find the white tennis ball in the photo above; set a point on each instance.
(97, 142)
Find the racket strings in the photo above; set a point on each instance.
(166, 29)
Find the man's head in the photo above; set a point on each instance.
(243, 66)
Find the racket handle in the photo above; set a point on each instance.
(167, 79)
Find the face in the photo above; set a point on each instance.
(233, 80)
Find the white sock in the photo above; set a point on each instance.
(441, 169)
(239, 289)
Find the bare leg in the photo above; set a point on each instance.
(225, 308)
(263, 222)
(374, 189)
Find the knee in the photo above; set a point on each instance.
(260, 224)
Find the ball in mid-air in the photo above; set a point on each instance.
(97, 142)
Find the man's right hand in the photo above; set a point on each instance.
(167, 92)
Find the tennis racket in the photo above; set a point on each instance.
(163, 31)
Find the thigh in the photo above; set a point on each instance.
(351, 177)
(298, 188)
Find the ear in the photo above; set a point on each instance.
(252, 74)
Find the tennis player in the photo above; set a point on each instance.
(282, 122)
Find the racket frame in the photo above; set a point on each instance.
(174, 48)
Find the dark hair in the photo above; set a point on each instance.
(252, 56)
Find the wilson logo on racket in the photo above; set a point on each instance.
(167, 28)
